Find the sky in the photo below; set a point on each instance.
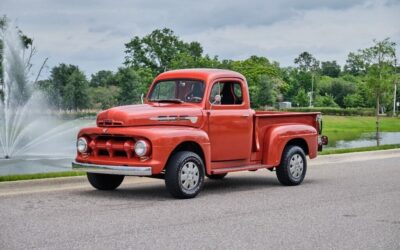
(92, 33)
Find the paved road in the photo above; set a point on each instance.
(346, 202)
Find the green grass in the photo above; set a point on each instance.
(352, 150)
(20, 177)
(352, 127)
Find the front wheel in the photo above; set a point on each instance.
(105, 181)
(184, 176)
(293, 166)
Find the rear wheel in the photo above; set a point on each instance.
(105, 181)
(184, 176)
(217, 176)
(293, 167)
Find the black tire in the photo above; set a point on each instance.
(293, 166)
(217, 176)
(105, 181)
(184, 164)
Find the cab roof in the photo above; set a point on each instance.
(204, 74)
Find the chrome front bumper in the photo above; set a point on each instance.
(110, 169)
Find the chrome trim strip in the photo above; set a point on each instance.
(111, 169)
(192, 119)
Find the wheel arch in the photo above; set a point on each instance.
(194, 147)
(277, 138)
(300, 142)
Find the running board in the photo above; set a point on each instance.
(241, 168)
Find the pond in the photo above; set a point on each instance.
(342, 140)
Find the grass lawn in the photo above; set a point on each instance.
(20, 177)
(351, 127)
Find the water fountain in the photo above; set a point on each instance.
(31, 135)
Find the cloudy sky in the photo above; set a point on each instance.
(92, 33)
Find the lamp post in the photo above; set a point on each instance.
(395, 87)
(312, 90)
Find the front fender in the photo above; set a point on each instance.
(277, 137)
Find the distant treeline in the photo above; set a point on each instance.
(365, 81)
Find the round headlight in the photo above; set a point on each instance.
(82, 145)
(141, 148)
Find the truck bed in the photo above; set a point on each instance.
(264, 121)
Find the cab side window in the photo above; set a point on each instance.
(230, 92)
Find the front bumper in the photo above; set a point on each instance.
(110, 169)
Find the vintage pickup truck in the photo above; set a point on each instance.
(196, 123)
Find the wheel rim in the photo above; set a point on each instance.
(189, 176)
(296, 166)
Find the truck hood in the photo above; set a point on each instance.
(147, 114)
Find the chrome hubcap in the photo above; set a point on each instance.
(189, 176)
(296, 166)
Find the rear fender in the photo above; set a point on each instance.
(277, 137)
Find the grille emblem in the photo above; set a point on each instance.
(105, 130)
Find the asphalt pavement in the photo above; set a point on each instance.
(349, 201)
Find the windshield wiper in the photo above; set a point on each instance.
(169, 100)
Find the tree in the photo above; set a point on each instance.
(67, 88)
(381, 58)
(256, 70)
(103, 78)
(355, 64)
(130, 86)
(307, 63)
(325, 101)
(76, 92)
(104, 97)
(337, 88)
(354, 101)
(158, 49)
(301, 99)
(267, 91)
(330, 68)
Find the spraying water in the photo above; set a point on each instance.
(27, 125)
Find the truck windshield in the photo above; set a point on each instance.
(177, 91)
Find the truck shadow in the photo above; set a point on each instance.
(156, 191)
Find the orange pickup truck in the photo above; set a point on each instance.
(196, 123)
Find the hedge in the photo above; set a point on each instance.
(335, 111)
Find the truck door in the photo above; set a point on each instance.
(230, 121)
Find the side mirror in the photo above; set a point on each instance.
(217, 100)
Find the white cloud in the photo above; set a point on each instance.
(329, 34)
(92, 34)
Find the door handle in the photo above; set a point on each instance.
(245, 115)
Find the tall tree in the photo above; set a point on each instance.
(307, 63)
(381, 59)
(157, 50)
(355, 64)
(76, 95)
(67, 88)
(267, 93)
(130, 86)
(102, 78)
(330, 68)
